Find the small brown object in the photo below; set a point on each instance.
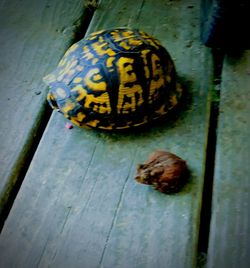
(165, 171)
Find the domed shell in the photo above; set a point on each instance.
(114, 79)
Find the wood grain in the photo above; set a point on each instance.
(79, 205)
(34, 35)
(229, 244)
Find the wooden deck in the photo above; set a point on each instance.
(229, 240)
(79, 205)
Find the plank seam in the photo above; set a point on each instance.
(89, 164)
(43, 251)
(90, 194)
(205, 216)
(66, 218)
(117, 209)
(140, 10)
(22, 165)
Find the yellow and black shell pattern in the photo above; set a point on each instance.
(114, 79)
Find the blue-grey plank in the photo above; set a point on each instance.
(229, 243)
(79, 205)
(34, 35)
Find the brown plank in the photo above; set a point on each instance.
(34, 35)
(229, 244)
(79, 205)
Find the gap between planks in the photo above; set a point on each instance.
(82, 25)
(205, 216)
(32, 145)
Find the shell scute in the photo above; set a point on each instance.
(114, 79)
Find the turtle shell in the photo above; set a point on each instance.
(114, 79)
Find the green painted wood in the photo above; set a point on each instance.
(79, 205)
(229, 244)
(34, 35)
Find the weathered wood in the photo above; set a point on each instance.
(229, 244)
(34, 35)
(79, 205)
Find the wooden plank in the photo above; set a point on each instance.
(34, 35)
(79, 205)
(229, 244)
